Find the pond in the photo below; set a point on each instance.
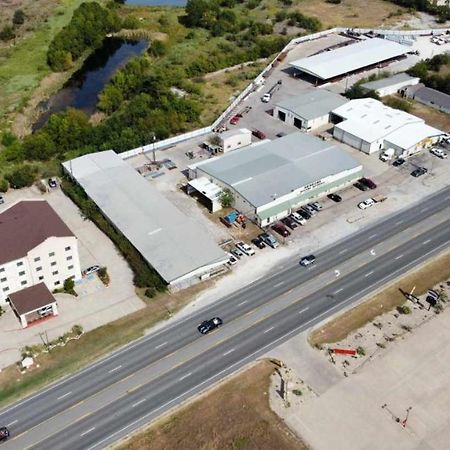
(82, 89)
(157, 2)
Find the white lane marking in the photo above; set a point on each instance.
(138, 403)
(426, 242)
(398, 257)
(339, 290)
(424, 209)
(373, 235)
(228, 352)
(278, 284)
(368, 273)
(115, 368)
(87, 431)
(269, 329)
(185, 376)
(65, 395)
(399, 222)
(12, 423)
(161, 345)
(239, 304)
(261, 351)
(303, 310)
(448, 196)
(343, 251)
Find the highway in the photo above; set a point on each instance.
(100, 404)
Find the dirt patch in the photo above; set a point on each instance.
(421, 279)
(432, 116)
(235, 415)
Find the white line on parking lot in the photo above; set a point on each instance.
(269, 329)
(368, 273)
(65, 395)
(426, 242)
(161, 345)
(372, 236)
(115, 368)
(87, 431)
(138, 403)
(399, 222)
(185, 376)
(228, 352)
(239, 304)
(12, 423)
(398, 257)
(339, 290)
(343, 251)
(424, 209)
(303, 310)
(278, 284)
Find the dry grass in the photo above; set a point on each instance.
(353, 13)
(235, 415)
(432, 116)
(422, 278)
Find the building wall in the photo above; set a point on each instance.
(56, 254)
(357, 142)
(236, 141)
(306, 125)
(425, 143)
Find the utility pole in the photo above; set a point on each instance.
(153, 151)
(406, 418)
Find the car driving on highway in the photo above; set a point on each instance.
(307, 260)
(209, 325)
(4, 434)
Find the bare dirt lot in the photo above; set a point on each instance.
(235, 415)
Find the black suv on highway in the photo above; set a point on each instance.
(209, 325)
(4, 434)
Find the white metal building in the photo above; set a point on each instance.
(368, 125)
(269, 180)
(233, 139)
(178, 247)
(36, 247)
(350, 58)
(310, 109)
(390, 85)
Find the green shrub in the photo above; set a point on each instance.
(23, 176)
(7, 33)
(3, 185)
(399, 103)
(404, 309)
(69, 285)
(361, 351)
(297, 392)
(19, 17)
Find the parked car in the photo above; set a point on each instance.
(336, 198)
(305, 214)
(290, 223)
(266, 98)
(259, 134)
(281, 134)
(2, 200)
(52, 183)
(4, 434)
(419, 172)
(281, 229)
(45, 310)
(232, 260)
(316, 205)
(366, 203)
(439, 153)
(259, 243)
(269, 239)
(210, 325)
(298, 218)
(234, 120)
(398, 162)
(368, 182)
(236, 252)
(245, 248)
(307, 260)
(361, 187)
(91, 269)
(309, 209)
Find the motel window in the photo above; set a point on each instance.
(67, 249)
(70, 268)
(6, 289)
(55, 272)
(3, 280)
(57, 282)
(53, 263)
(51, 254)
(23, 283)
(20, 263)
(21, 274)
(37, 259)
(2, 269)
(69, 258)
(38, 268)
(41, 278)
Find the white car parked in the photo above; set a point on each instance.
(366, 203)
(245, 248)
(298, 218)
(439, 153)
(266, 98)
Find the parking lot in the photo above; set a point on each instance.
(95, 305)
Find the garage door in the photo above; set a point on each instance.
(282, 116)
(297, 122)
(351, 140)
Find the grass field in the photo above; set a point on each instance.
(422, 278)
(235, 415)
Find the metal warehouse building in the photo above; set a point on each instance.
(368, 125)
(351, 58)
(176, 246)
(270, 180)
(390, 85)
(310, 109)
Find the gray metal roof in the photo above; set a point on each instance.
(270, 170)
(389, 81)
(172, 243)
(430, 95)
(312, 103)
(349, 58)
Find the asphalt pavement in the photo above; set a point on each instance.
(130, 387)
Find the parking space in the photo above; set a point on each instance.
(95, 305)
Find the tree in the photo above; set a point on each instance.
(38, 147)
(7, 33)
(69, 285)
(226, 198)
(19, 17)
(3, 185)
(21, 177)
(157, 48)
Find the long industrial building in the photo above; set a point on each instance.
(268, 181)
(370, 126)
(342, 61)
(177, 247)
